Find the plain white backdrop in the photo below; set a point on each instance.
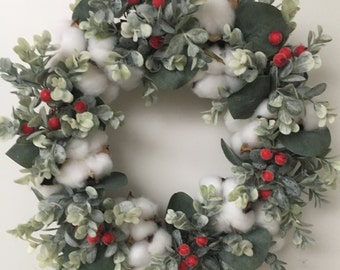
(165, 148)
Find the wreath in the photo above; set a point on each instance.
(234, 52)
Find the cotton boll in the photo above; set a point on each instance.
(47, 190)
(100, 165)
(73, 174)
(72, 42)
(97, 140)
(278, 245)
(262, 110)
(222, 222)
(134, 81)
(228, 186)
(93, 82)
(210, 86)
(236, 143)
(235, 125)
(265, 221)
(99, 49)
(77, 149)
(238, 220)
(111, 93)
(214, 14)
(200, 74)
(310, 120)
(161, 243)
(143, 229)
(149, 209)
(139, 255)
(249, 136)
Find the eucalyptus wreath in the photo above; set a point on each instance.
(234, 52)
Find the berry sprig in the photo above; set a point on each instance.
(107, 238)
(189, 258)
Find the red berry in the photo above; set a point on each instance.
(281, 159)
(201, 241)
(54, 123)
(183, 250)
(133, 2)
(191, 260)
(45, 95)
(275, 37)
(182, 266)
(265, 194)
(266, 154)
(156, 42)
(299, 50)
(26, 129)
(93, 240)
(80, 106)
(158, 3)
(280, 60)
(267, 176)
(108, 238)
(286, 51)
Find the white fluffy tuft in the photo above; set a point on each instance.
(99, 165)
(249, 136)
(139, 255)
(214, 14)
(238, 220)
(134, 81)
(265, 221)
(228, 186)
(100, 48)
(210, 86)
(73, 174)
(77, 149)
(149, 209)
(143, 229)
(97, 140)
(93, 82)
(161, 243)
(236, 143)
(111, 93)
(235, 125)
(262, 110)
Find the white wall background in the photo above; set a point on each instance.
(165, 148)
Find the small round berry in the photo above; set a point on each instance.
(93, 240)
(80, 106)
(275, 37)
(108, 238)
(299, 50)
(54, 123)
(156, 42)
(286, 51)
(191, 260)
(280, 60)
(158, 3)
(265, 194)
(182, 265)
(267, 176)
(45, 95)
(183, 250)
(26, 129)
(281, 159)
(133, 2)
(202, 241)
(266, 154)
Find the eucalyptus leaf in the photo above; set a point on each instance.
(82, 11)
(230, 154)
(181, 201)
(23, 152)
(114, 180)
(313, 143)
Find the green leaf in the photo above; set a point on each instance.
(230, 154)
(261, 240)
(114, 180)
(256, 21)
(243, 103)
(23, 152)
(307, 143)
(81, 11)
(181, 201)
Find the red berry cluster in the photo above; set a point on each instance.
(268, 175)
(156, 42)
(107, 238)
(282, 57)
(190, 260)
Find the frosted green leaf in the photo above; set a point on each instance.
(41, 141)
(8, 128)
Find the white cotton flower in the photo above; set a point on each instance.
(161, 243)
(134, 81)
(262, 111)
(149, 209)
(111, 93)
(278, 245)
(222, 223)
(215, 67)
(210, 86)
(139, 255)
(310, 120)
(99, 49)
(142, 230)
(236, 143)
(200, 74)
(249, 136)
(99, 165)
(47, 190)
(72, 42)
(266, 221)
(235, 125)
(73, 174)
(228, 186)
(214, 14)
(97, 140)
(77, 149)
(214, 181)
(93, 82)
